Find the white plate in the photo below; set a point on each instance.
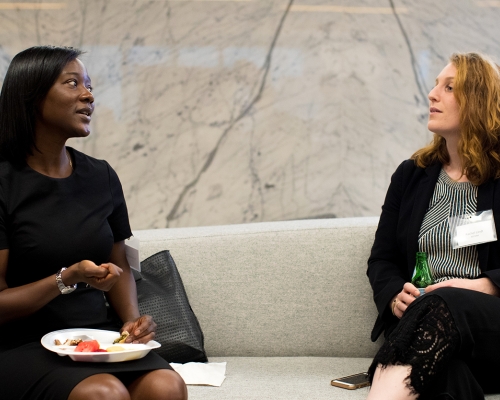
(105, 339)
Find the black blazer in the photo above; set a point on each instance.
(392, 258)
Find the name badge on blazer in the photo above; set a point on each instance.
(472, 229)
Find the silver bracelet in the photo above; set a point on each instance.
(60, 284)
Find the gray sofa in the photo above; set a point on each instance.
(286, 304)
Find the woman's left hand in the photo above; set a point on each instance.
(480, 285)
(142, 330)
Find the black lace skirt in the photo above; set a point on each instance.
(451, 339)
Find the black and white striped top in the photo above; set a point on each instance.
(450, 199)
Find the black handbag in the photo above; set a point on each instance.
(161, 294)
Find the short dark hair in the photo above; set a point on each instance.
(29, 78)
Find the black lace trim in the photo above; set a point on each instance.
(425, 338)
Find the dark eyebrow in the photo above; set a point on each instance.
(71, 73)
(77, 74)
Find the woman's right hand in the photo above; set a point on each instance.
(403, 299)
(101, 277)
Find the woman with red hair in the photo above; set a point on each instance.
(443, 344)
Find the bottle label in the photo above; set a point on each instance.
(472, 229)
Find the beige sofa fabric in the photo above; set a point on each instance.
(286, 304)
(295, 288)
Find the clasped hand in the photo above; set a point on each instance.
(403, 299)
(101, 277)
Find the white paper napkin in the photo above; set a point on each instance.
(209, 374)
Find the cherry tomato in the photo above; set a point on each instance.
(88, 346)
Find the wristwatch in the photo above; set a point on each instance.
(62, 287)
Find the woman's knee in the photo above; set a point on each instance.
(100, 386)
(162, 384)
(177, 386)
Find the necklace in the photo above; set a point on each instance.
(69, 159)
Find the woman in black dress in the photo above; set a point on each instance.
(444, 344)
(63, 222)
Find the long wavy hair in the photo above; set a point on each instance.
(31, 74)
(477, 91)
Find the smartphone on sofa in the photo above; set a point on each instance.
(352, 382)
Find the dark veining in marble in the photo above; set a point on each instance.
(416, 70)
(256, 185)
(267, 64)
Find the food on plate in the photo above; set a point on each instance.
(93, 346)
(122, 337)
(68, 342)
(114, 348)
(88, 346)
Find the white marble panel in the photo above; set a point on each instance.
(220, 112)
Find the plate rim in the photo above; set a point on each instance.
(152, 344)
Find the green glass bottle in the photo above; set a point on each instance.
(422, 276)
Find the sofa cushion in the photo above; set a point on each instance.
(286, 378)
(293, 288)
(283, 378)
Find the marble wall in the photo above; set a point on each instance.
(220, 112)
